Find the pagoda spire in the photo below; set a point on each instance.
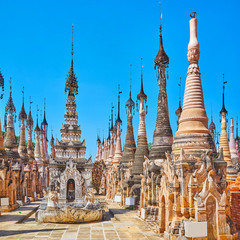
(37, 143)
(71, 85)
(237, 139)
(193, 134)
(224, 144)
(118, 145)
(42, 149)
(1, 84)
(223, 101)
(22, 148)
(53, 153)
(98, 149)
(111, 150)
(1, 97)
(109, 127)
(1, 137)
(232, 144)
(129, 146)
(142, 145)
(179, 110)
(162, 137)
(212, 127)
(10, 110)
(30, 128)
(44, 127)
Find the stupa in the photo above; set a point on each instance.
(70, 171)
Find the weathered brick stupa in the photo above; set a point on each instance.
(70, 171)
(224, 144)
(22, 148)
(16, 173)
(232, 146)
(142, 146)
(190, 186)
(193, 134)
(162, 137)
(128, 152)
(162, 142)
(129, 146)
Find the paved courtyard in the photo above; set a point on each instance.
(124, 226)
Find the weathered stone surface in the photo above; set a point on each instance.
(193, 134)
(185, 195)
(162, 137)
(69, 214)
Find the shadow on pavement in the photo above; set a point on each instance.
(12, 232)
(118, 211)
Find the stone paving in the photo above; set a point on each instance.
(125, 226)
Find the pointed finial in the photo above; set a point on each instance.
(23, 93)
(72, 41)
(237, 129)
(10, 82)
(30, 103)
(160, 17)
(112, 107)
(119, 92)
(109, 127)
(44, 105)
(211, 114)
(180, 85)
(142, 94)
(223, 106)
(41, 114)
(130, 79)
(1, 84)
(37, 112)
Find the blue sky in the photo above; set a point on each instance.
(110, 35)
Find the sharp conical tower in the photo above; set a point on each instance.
(212, 128)
(37, 153)
(162, 137)
(224, 144)
(53, 154)
(98, 149)
(71, 85)
(179, 110)
(118, 146)
(71, 146)
(111, 149)
(142, 145)
(42, 149)
(44, 127)
(30, 149)
(237, 139)
(129, 146)
(22, 148)
(232, 144)
(1, 137)
(10, 139)
(193, 134)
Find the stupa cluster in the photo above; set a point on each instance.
(186, 186)
(27, 171)
(24, 165)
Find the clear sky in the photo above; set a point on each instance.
(109, 35)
